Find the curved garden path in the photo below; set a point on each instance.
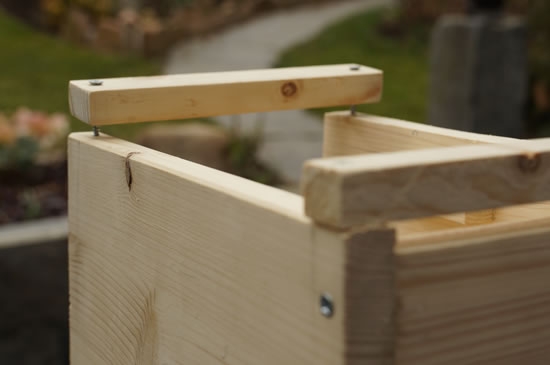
(289, 137)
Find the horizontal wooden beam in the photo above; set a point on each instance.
(346, 134)
(348, 191)
(170, 97)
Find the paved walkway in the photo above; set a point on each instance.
(289, 137)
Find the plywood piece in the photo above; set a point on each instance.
(372, 189)
(170, 97)
(482, 299)
(175, 263)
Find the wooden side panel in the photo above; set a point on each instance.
(175, 263)
(371, 304)
(482, 300)
(141, 99)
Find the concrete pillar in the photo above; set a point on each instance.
(478, 76)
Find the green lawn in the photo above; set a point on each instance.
(36, 69)
(357, 40)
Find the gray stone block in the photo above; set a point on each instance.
(451, 70)
(479, 74)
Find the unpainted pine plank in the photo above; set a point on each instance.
(412, 227)
(523, 212)
(346, 134)
(373, 189)
(189, 265)
(440, 238)
(371, 299)
(170, 97)
(476, 300)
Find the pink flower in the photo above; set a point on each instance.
(30, 123)
(59, 124)
(58, 128)
(48, 131)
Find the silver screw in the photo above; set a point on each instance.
(96, 82)
(96, 131)
(355, 67)
(326, 305)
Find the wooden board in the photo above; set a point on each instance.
(346, 134)
(176, 263)
(479, 298)
(141, 99)
(373, 189)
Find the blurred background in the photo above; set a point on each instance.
(481, 66)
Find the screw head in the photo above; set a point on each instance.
(355, 67)
(96, 82)
(326, 305)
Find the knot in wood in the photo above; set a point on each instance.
(529, 163)
(289, 89)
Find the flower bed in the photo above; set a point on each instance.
(150, 28)
(32, 165)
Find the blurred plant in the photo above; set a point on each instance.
(243, 161)
(54, 11)
(30, 204)
(539, 23)
(538, 112)
(29, 135)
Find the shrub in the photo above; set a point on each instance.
(30, 135)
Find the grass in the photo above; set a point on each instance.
(36, 68)
(357, 39)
